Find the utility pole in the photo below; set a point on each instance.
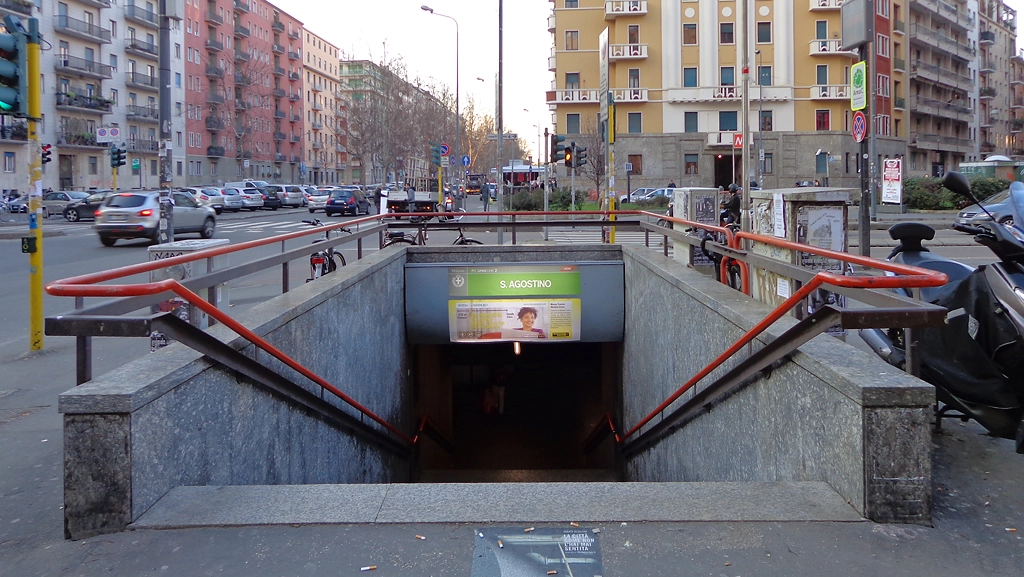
(864, 216)
(166, 226)
(741, 46)
(501, 126)
(547, 189)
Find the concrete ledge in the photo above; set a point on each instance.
(185, 507)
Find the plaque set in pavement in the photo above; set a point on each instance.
(525, 551)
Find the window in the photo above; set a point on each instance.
(113, 96)
(690, 77)
(767, 164)
(152, 166)
(572, 80)
(179, 168)
(572, 123)
(882, 9)
(882, 85)
(635, 124)
(633, 34)
(113, 61)
(690, 122)
(725, 33)
(637, 160)
(177, 79)
(634, 78)
(9, 162)
(177, 54)
(764, 32)
(766, 120)
(690, 163)
(882, 44)
(821, 74)
(822, 120)
(727, 120)
(572, 4)
(572, 39)
(821, 30)
(764, 75)
(727, 76)
(93, 165)
(690, 34)
(821, 163)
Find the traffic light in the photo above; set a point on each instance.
(580, 157)
(435, 153)
(14, 68)
(557, 148)
(570, 153)
(46, 153)
(117, 156)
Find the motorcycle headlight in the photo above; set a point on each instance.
(1016, 232)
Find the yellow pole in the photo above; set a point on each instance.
(113, 175)
(440, 189)
(35, 190)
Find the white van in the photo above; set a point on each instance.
(290, 194)
(242, 184)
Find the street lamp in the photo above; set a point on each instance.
(458, 129)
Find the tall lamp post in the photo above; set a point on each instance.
(760, 121)
(458, 113)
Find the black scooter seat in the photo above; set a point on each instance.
(905, 230)
(954, 270)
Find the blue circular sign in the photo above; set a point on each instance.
(860, 126)
(444, 149)
(465, 160)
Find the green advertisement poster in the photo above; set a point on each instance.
(550, 320)
(514, 281)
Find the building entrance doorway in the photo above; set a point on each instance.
(728, 169)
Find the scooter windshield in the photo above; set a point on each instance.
(1017, 205)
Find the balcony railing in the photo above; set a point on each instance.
(242, 105)
(623, 95)
(317, 106)
(296, 138)
(296, 158)
(899, 64)
(77, 138)
(212, 98)
(241, 31)
(295, 97)
(277, 25)
(614, 8)
(215, 71)
(23, 7)
(214, 151)
(725, 93)
(14, 130)
(241, 6)
(316, 86)
(214, 45)
(280, 158)
(986, 37)
(81, 29)
(242, 56)
(277, 49)
(96, 104)
(828, 47)
(899, 26)
(140, 80)
(280, 93)
(941, 41)
(317, 125)
(317, 145)
(214, 18)
(146, 113)
(295, 35)
(987, 92)
(142, 145)
(627, 51)
(295, 118)
(830, 92)
(922, 105)
(1017, 78)
(826, 4)
(278, 71)
(141, 15)
(573, 95)
(141, 47)
(294, 76)
(1017, 102)
(936, 73)
(293, 55)
(987, 66)
(280, 114)
(214, 123)
(242, 79)
(280, 136)
(899, 102)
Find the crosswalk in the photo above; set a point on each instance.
(259, 226)
(593, 236)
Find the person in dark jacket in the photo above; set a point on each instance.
(731, 203)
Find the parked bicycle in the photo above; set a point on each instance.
(393, 237)
(324, 261)
(463, 239)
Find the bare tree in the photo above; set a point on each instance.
(593, 169)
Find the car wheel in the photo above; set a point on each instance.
(312, 210)
(208, 229)
(274, 207)
(107, 241)
(218, 211)
(1006, 221)
(71, 215)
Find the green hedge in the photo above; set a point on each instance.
(928, 193)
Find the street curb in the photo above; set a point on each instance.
(17, 234)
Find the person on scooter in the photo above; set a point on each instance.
(731, 204)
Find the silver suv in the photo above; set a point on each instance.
(137, 215)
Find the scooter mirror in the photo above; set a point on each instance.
(958, 184)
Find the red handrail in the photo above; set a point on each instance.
(914, 277)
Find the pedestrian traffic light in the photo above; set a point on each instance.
(580, 156)
(557, 148)
(117, 156)
(14, 68)
(435, 153)
(570, 153)
(46, 153)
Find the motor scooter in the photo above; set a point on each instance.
(976, 360)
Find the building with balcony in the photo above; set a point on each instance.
(997, 34)
(675, 71)
(288, 110)
(100, 71)
(320, 63)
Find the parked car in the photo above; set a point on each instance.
(54, 202)
(232, 199)
(290, 194)
(317, 199)
(86, 207)
(345, 201)
(635, 195)
(252, 198)
(998, 204)
(137, 215)
(270, 198)
(208, 195)
(665, 192)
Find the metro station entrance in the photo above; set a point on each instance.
(517, 417)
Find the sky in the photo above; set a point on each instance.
(427, 44)
(362, 28)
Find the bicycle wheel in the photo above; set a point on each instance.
(398, 240)
(334, 260)
(468, 241)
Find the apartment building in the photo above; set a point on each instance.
(1016, 141)
(322, 125)
(100, 71)
(238, 88)
(997, 46)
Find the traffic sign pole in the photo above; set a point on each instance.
(35, 189)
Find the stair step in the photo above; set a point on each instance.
(518, 476)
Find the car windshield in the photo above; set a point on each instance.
(211, 191)
(250, 191)
(126, 200)
(77, 194)
(95, 198)
(342, 194)
(997, 197)
(230, 192)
